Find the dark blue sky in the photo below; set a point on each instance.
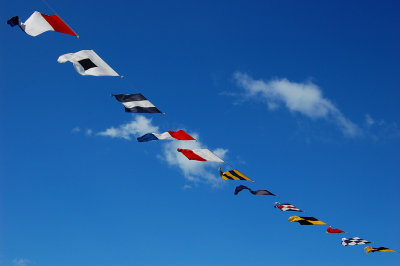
(301, 96)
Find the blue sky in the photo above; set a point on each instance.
(301, 96)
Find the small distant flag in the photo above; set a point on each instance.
(354, 241)
(88, 63)
(233, 175)
(305, 220)
(286, 207)
(200, 155)
(136, 103)
(331, 230)
(38, 23)
(257, 192)
(380, 249)
(179, 135)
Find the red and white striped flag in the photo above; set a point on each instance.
(203, 155)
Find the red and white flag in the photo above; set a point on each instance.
(38, 23)
(179, 135)
(203, 155)
(286, 207)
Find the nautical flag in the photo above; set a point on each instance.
(233, 175)
(286, 207)
(354, 241)
(136, 103)
(88, 63)
(200, 155)
(380, 249)
(38, 23)
(331, 230)
(305, 220)
(179, 135)
(257, 192)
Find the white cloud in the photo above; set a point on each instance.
(220, 152)
(20, 262)
(76, 130)
(89, 132)
(141, 125)
(194, 171)
(304, 98)
(368, 120)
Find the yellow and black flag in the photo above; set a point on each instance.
(233, 175)
(305, 220)
(381, 249)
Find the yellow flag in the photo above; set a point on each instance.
(380, 249)
(233, 175)
(305, 220)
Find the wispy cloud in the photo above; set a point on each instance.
(76, 130)
(304, 98)
(369, 120)
(20, 262)
(194, 172)
(141, 125)
(379, 129)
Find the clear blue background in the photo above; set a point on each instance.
(73, 199)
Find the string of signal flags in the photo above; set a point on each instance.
(88, 62)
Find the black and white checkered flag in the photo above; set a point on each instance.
(354, 241)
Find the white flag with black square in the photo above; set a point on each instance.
(87, 62)
(354, 241)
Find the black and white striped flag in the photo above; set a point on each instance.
(136, 103)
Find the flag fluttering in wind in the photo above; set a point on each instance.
(331, 230)
(233, 175)
(380, 249)
(179, 135)
(354, 241)
(200, 155)
(38, 23)
(305, 220)
(136, 103)
(286, 207)
(256, 192)
(88, 63)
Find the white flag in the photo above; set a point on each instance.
(87, 62)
